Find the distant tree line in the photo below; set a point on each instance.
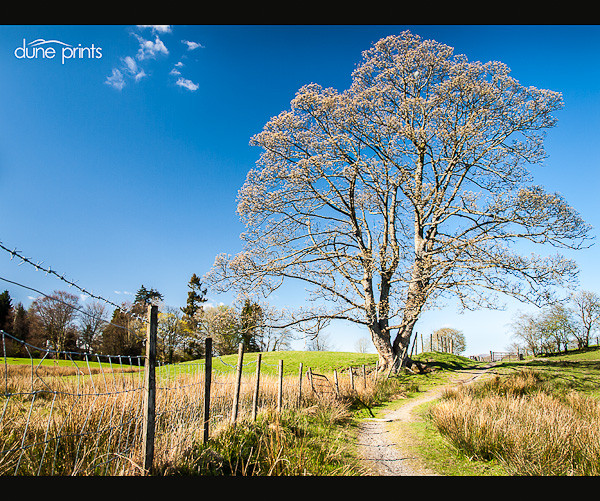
(554, 328)
(63, 322)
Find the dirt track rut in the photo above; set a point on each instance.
(384, 453)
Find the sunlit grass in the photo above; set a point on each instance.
(526, 422)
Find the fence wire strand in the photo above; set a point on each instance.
(68, 413)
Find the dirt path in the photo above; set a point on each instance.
(384, 453)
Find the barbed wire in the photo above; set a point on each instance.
(49, 271)
(83, 312)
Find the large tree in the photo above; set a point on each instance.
(57, 316)
(407, 187)
(92, 321)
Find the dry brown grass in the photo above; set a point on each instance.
(67, 421)
(517, 421)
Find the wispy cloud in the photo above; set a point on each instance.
(157, 28)
(193, 45)
(116, 80)
(132, 68)
(187, 84)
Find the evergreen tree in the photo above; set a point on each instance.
(147, 296)
(196, 296)
(250, 319)
(21, 325)
(192, 313)
(6, 312)
(120, 338)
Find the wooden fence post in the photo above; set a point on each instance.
(280, 389)
(150, 390)
(364, 371)
(207, 382)
(414, 344)
(300, 386)
(351, 378)
(337, 386)
(238, 382)
(255, 400)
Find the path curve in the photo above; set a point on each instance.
(382, 452)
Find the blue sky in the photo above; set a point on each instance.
(123, 170)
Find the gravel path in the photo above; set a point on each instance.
(384, 453)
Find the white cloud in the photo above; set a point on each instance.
(149, 49)
(131, 64)
(134, 69)
(187, 84)
(116, 79)
(157, 28)
(193, 45)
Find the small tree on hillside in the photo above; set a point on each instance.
(557, 326)
(449, 340)
(586, 308)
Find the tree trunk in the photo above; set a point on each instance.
(382, 343)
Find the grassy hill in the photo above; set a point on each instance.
(322, 362)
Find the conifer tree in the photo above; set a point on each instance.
(6, 312)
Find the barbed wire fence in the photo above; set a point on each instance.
(81, 413)
(117, 415)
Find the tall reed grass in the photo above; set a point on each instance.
(311, 436)
(61, 421)
(521, 421)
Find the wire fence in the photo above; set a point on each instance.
(79, 413)
(70, 413)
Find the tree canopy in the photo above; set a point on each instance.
(410, 186)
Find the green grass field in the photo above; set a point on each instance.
(322, 362)
(332, 429)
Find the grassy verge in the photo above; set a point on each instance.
(539, 418)
(312, 441)
(317, 439)
(303, 442)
